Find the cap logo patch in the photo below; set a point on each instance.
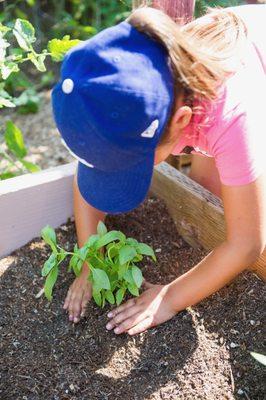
(150, 131)
(75, 155)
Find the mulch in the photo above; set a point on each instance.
(202, 353)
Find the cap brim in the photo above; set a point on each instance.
(119, 191)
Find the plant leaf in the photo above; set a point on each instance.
(7, 68)
(110, 237)
(74, 259)
(14, 140)
(30, 166)
(50, 282)
(100, 278)
(120, 295)
(97, 297)
(49, 264)
(143, 248)
(101, 229)
(110, 297)
(112, 251)
(24, 33)
(91, 241)
(49, 236)
(128, 277)
(126, 253)
(137, 276)
(61, 256)
(7, 175)
(59, 47)
(259, 357)
(6, 103)
(132, 242)
(38, 61)
(133, 289)
(121, 270)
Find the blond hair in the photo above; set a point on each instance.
(202, 53)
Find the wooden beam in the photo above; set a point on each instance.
(29, 202)
(198, 214)
(180, 10)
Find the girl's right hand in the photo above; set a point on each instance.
(79, 294)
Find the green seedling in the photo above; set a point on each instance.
(112, 258)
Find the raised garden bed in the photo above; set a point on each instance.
(202, 353)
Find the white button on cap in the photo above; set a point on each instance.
(67, 85)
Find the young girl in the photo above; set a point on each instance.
(147, 88)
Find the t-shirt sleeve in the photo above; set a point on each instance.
(238, 149)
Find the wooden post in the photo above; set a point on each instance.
(180, 10)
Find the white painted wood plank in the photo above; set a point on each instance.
(31, 201)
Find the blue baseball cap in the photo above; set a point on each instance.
(111, 106)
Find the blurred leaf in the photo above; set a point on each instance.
(101, 229)
(24, 33)
(120, 295)
(47, 78)
(49, 236)
(6, 103)
(28, 101)
(31, 167)
(126, 253)
(110, 237)
(3, 46)
(143, 248)
(31, 3)
(97, 297)
(58, 48)
(137, 276)
(7, 175)
(100, 278)
(7, 68)
(50, 282)
(20, 14)
(4, 29)
(49, 264)
(38, 61)
(14, 140)
(133, 289)
(110, 297)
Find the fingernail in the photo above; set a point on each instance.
(71, 318)
(109, 314)
(116, 330)
(109, 326)
(76, 319)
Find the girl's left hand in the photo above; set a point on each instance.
(151, 308)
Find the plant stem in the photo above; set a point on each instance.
(7, 157)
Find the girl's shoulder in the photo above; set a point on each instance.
(254, 16)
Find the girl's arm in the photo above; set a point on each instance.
(86, 216)
(86, 220)
(245, 214)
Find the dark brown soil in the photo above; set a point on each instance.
(202, 353)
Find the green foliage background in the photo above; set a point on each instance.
(78, 18)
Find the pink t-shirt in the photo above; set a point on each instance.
(235, 132)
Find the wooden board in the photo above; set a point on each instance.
(180, 10)
(30, 201)
(198, 214)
